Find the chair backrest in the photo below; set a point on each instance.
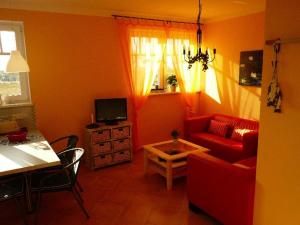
(73, 166)
(71, 142)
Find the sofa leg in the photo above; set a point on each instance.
(194, 208)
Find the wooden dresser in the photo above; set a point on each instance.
(108, 145)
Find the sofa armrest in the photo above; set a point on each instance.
(196, 124)
(211, 164)
(250, 142)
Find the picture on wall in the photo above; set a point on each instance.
(251, 68)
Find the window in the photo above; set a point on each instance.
(156, 57)
(14, 88)
(156, 53)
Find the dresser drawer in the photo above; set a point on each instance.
(101, 135)
(101, 148)
(121, 144)
(121, 132)
(122, 156)
(103, 160)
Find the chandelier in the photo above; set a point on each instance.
(204, 58)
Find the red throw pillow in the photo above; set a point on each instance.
(241, 129)
(218, 128)
(238, 133)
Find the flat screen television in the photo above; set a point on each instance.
(111, 110)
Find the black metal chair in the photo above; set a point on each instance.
(60, 179)
(71, 142)
(13, 187)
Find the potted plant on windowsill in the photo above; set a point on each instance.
(172, 81)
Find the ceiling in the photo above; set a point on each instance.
(184, 10)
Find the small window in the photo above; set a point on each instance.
(14, 88)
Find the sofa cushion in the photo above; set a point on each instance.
(231, 121)
(238, 133)
(219, 128)
(242, 128)
(224, 148)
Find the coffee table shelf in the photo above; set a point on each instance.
(156, 160)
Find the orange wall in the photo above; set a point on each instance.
(220, 89)
(157, 120)
(278, 175)
(75, 59)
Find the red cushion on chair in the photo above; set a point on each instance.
(218, 128)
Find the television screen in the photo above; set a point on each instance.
(111, 110)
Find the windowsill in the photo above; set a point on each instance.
(162, 92)
(15, 105)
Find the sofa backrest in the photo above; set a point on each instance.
(236, 122)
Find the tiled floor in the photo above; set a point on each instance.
(119, 195)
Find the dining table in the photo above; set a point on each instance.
(26, 157)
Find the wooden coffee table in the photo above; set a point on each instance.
(168, 158)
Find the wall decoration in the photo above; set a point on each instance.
(251, 68)
(274, 92)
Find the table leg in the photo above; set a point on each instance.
(145, 162)
(28, 192)
(169, 175)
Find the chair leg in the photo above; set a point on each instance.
(38, 206)
(78, 194)
(28, 192)
(79, 186)
(80, 203)
(21, 210)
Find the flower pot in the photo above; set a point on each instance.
(173, 88)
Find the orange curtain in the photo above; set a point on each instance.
(143, 47)
(188, 79)
(144, 44)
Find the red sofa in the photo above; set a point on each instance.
(222, 189)
(196, 130)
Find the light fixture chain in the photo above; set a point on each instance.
(199, 13)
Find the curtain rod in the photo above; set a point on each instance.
(160, 20)
(285, 41)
